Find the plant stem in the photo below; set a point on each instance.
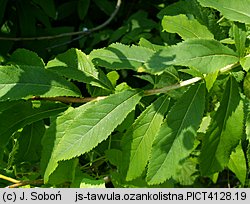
(24, 183)
(66, 99)
(172, 87)
(9, 179)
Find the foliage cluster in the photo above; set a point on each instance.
(157, 99)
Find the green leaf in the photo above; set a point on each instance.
(3, 4)
(17, 114)
(114, 156)
(18, 82)
(48, 6)
(231, 9)
(145, 43)
(240, 35)
(210, 79)
(237, 164)
(247, 130)
(106, 6)
(246, 85)
(186, 28)
(205, 55)
(82, 8)
(187, 174)
(27, 22)
(84, 128)
(119, 56)
(137, 141)
(74, 64)
(27, 58)
(65, 172)
(175, 140)
(245, 63)
(92, 183)
(29, 143)
(225, 131)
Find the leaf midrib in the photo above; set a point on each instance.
(179, 130)
(57, 158)
(146, 132)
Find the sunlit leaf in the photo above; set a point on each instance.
(175, 140)
(83, 128)
(186, 28)
(225, 131)
(137, 141)
(231, 9)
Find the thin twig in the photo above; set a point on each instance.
(24, 183)
(9, 179)
(84, 32)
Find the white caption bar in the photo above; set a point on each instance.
(80, 196)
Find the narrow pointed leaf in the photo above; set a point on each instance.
(237, 164)
(186, 28)
(225, 131)
(18, 82)
(21, 113)
(138, 140)
(231, 9)
(80, 131)
(74, 64)
(175, 140)
(205, 55)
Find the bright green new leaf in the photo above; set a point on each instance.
(231, 9)
(186, 28)
(245, 63)
(137, 141)
(17, 114)
(175, 140)
(92, 183)
(82, 129)
(74, 64)
(225, 131)
(17, 82)
(205, 55)
(237, 164)
(210, 79)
